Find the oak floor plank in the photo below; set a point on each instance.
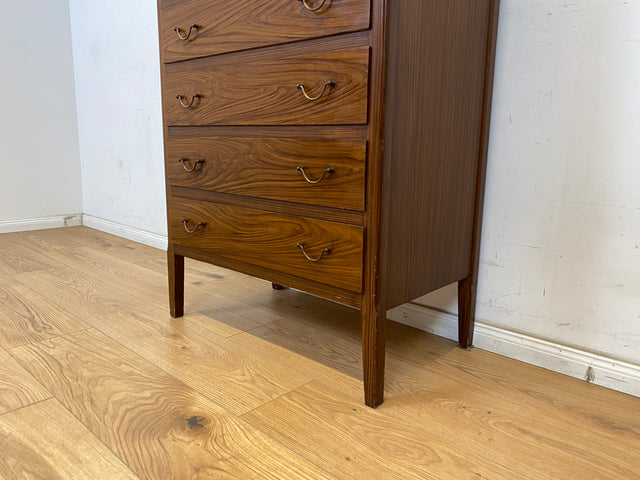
(254, 291)
(73, 291)
(303, 364)
(239, 380)
(27, 317)
(344, 322)
(335, 352)
(120, 274)
(44, 441)
(571, 398)
(568, 400)
(209, 290)
(582, 403)
(534, 441)
(36, 241)
(16, 257)
(242, 301)
(356, 442)
(471, 412)
(161, 428)
(199, 270)
(309, 334)
(246, 346)
(62, 238)
(218, 297)
(17, 388)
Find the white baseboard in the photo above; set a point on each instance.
(600, 370)
(72, 220)
(125, 231)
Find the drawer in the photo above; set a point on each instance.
(271, 240)
(273, 168)
(269, 89)
(234, 25)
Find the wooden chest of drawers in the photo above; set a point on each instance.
(334, 146)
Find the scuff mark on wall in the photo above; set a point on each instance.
(590, 376)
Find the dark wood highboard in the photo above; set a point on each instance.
(334, 146)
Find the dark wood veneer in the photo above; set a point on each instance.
(270, 240)
(277, 206)
(266, 167)
(435, 81)
(330, 292)
(264, 90)
(228, 26)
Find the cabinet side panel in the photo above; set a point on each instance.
(436, 72)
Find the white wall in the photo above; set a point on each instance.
(560, 257)
(38, 131)
(117, 75)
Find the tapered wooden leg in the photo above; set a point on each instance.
(373, 353)
(176, 283)
(466, 310)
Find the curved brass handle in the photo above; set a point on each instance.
(190, 104)
(329, 84)
(190, 168)
(327, 171)
(313, 9)
(186, 222)
(326, 251)
(178, 30)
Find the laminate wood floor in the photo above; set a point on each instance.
(98, 381)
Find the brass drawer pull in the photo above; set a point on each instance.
(190, 168)
(193, 27)
(322, 254)
(313, 9)
(190, 104)
(329, 84)
(327, 171)
(186, 222)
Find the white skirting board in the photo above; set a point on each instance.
(71, 220)
(75, 220)
(124, 231)
(597, 369)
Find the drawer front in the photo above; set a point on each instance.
(273, 168)
(233, 25)
(270, 240)
(269, 89)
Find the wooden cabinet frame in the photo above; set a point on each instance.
(430, 83)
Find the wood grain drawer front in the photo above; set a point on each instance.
(270, 240)
(233, 25)
(268, 89)
(273, 168)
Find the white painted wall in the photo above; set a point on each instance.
(117, 75)
(560, 255)
(39, 156)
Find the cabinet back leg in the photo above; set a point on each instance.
(466, 310)
(175, 265)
